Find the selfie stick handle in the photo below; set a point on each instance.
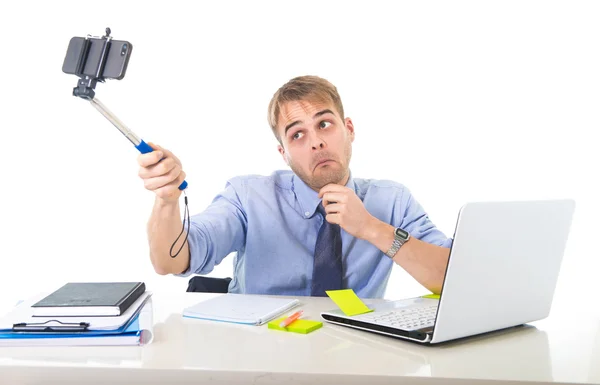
(142, 146)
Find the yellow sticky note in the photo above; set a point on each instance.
(302, 326)
(434, 296)
(348, 301)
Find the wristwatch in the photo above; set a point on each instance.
(400, 238)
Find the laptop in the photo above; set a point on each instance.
(502, 272)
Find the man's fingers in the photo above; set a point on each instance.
(158, 169)
(334, 208)
(333, 197)
(179, 179)
(171, 189)
(150, 158)
(332, 187)
(163, 180)
(164, 153)
(333, 218)
(161, 172)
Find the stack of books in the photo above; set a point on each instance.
(82, 314)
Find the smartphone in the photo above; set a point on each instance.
(116, 60)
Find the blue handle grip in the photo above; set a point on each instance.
(144, 149)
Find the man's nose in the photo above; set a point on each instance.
(317, 143)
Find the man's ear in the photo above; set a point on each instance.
(350, 127)
(282, 152)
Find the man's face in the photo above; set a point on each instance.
(315, 142)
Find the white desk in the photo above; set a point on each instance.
(194, 351)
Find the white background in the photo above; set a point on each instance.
(459, 101)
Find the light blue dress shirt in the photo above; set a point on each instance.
(272, 224)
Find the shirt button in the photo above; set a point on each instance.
(307, 213)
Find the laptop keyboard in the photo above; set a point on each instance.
(410, 318)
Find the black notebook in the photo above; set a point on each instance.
(85, 299)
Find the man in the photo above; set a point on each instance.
(301, 232)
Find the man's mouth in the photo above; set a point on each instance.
(322, 162)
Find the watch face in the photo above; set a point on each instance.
(401, 233)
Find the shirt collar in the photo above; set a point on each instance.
(309, 198)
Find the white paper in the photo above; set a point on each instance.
(238, 308)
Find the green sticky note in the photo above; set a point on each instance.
(434, 296)
(348, 301)
(302, 326)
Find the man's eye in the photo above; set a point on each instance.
(297, 135)
(324, 124)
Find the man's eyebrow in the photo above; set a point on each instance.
(323, 113)
(290, 126)
(320, 113)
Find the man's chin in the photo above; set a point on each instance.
(325, 177)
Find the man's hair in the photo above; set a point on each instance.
(303, 88)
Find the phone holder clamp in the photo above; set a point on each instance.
(86, 84)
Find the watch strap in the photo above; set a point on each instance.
(398, 242)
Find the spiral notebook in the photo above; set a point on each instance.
(240, 308)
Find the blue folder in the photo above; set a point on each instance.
(131, 328)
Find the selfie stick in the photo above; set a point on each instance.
(85, 90)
